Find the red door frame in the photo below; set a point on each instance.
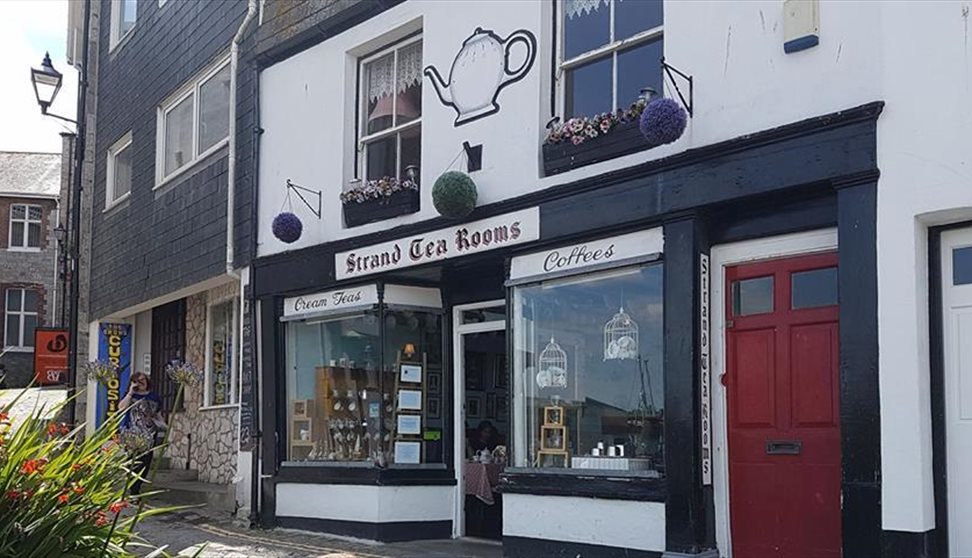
(785, 506)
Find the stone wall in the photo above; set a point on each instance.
(206, 437)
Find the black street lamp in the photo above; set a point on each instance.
(47, 82)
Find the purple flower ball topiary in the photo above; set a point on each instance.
(287, 227)
(663, 121)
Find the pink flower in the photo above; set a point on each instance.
(577, 140)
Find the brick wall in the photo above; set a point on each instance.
(48, 215)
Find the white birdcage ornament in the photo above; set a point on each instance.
(552, 366)
(621, 337)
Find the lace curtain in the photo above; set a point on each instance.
(578, 8)
(382, 80)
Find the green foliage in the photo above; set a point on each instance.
(61, 495)
(454, 194)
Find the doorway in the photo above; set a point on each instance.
(782, 384)
(956, 255)
(482, 417)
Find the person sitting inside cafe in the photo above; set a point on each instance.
(483, 437)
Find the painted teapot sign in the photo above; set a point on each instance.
(480, 71)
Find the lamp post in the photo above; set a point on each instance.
(47, 83)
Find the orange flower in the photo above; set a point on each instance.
(33, 466)
(76, 467)
(101, 520)
(4, 417)
(118, 506)
(63, 498)
(63, 429)
(51, 429)
(78, 489)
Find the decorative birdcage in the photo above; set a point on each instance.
(552, 366)
(621, 337)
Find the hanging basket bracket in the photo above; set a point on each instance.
(297, 189)
(671, 72)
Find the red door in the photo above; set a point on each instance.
(782, 380)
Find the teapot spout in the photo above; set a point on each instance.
(442, 89)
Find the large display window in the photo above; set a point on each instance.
(588, 372)
(358, 386)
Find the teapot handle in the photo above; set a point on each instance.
(519, 36)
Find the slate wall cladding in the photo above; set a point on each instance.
(158, 241)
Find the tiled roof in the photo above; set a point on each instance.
(34, 174)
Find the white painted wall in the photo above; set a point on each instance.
(618, 523)
(369, 504)
(914, 56)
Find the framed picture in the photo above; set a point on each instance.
(553, 438)
(501, 377)
(301, 408)
(411, 373)
(435, 383)
(552, 459)
(410, 425)
(475, 367)
(435, 409)
(553, 415)
(491, 405)
(408, 452)
(409, 400)
(502, 408)
(474, 406)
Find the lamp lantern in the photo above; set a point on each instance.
(47, 82)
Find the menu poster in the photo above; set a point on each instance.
(408, 452)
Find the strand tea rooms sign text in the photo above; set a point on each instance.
(442, 244)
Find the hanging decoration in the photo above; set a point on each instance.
(454, 194)
(286, 226)
(621, 337)
(552, 366)
(663, 121)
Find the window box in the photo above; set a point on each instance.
(623, 139)
(399, 203)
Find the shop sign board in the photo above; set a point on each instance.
(704, 372)
(452, 242)
(595, 253)
(115, 346)
(338, 299)
(50, 355)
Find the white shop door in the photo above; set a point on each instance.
(957, 315)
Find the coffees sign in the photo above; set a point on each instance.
(461, 240)
(338, 299)
(588, 254)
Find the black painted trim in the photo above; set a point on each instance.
(902, 544)
(936, 353)
(365, 476)
(860, 409)
(585, 486)
(524, 547)
(394, 531)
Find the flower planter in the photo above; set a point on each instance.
(399, 203)
(623, 139)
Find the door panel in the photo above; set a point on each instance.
(782, 382)
(957, 318)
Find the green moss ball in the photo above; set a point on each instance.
(454, 194)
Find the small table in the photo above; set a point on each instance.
(482, 480)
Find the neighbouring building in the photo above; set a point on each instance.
(168, 237)
(747, 338)
(32, 295)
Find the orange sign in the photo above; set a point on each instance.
(50, 355)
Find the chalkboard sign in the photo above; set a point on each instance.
(247, 428)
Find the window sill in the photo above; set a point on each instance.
(17, 349)
(624, 139)
(109, 207)
(185, 169)
(23, 249)
(120, 41)
(363, 473)
(612, 485)
(219, 407)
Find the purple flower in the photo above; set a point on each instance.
(577, 140)
(287, 227)
(663, 121)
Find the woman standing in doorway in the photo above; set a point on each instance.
(144, 419)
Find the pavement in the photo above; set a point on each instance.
(184, 533)
(26, 402)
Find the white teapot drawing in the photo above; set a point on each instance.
(480, 71)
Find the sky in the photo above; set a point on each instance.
(28, 28)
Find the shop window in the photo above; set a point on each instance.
(390, 137)
(20, 318)
(118, 180)
(962, 266)
(221, 370)
(25, 226)
(752, 296)
(195, 122)
(352, 398)
(813, 289)
(588, 368)
(124, 14)
(611, 50)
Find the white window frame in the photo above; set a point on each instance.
(27, 221)
(612, 48)
(20, 347)
(233, 369)
(115, 38)
(191, 89)
(363, 109)
(110, 199)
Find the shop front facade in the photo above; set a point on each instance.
(625, 349)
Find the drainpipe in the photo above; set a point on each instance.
(251, 12)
